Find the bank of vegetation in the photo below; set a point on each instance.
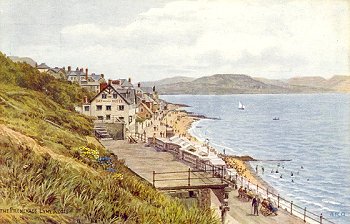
(53, 171)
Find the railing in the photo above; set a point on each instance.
(189, 176)
(235, 178)
(281, 202)
(138, 136)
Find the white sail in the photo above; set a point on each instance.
(240, 105)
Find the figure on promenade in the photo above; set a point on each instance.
(255, 205)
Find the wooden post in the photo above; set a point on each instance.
(222, 174)
(213, 170)
(278, 200)
(257, 188)
(189, 176)
(267, 192)
(321, 218)
(305, 214)
(205, 167)
(248, 183)
(291, 207)
(154, 180)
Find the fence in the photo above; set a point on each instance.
(281, 202)
(190, 175)
(235, 178)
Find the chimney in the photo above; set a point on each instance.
(64, 68)
(103, 86)
(129, 80)
(85, 99)
(82, 70)
(139, 85)
(69, 68)
(77, 69)
(86, 73)
(102, 76)
(109, 81)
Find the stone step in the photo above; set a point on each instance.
(106, 139)
(101, 131)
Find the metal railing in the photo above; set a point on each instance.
(281, 202)
(189, 176)
(235, 178)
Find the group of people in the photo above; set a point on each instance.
(267, 207)
(245, 194)
(292, 174)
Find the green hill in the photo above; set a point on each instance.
(49, 167)
(221, 84)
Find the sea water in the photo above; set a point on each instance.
(313, 131)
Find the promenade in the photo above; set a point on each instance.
(144, 160)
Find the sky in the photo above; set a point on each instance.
(155, 39)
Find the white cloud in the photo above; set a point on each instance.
(275, 39)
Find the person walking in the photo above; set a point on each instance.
(255, 205)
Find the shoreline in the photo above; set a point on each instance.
(182, 125)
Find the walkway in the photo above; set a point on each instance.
(144, 160)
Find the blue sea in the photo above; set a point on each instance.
(313, 131)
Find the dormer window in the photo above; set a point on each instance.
(104, 96)
(115, 96)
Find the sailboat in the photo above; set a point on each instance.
(240, 106)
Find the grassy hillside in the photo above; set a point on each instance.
(52, 170)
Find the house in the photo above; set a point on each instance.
(138, 90)
(110, 106)
(92, 82)
(126, 89)
(58, 73)
(76, 76)
(43, 67)
(99, 78)
(144, 112)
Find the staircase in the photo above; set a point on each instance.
(102, 133)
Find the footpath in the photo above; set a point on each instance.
(144, 160)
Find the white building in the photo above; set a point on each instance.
(111, 106)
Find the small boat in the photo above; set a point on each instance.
(240, 106)
(276, 118)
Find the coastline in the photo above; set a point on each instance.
(182, 121)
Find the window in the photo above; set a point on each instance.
(104, 96)
(141, 109)
(115, 96)
(109, 107)
(108, 117)
(98, 107)
(121, 118)
(121, 107)
(130, 119)
(86, 108)
(99, 117)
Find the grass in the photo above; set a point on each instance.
(44, 170)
